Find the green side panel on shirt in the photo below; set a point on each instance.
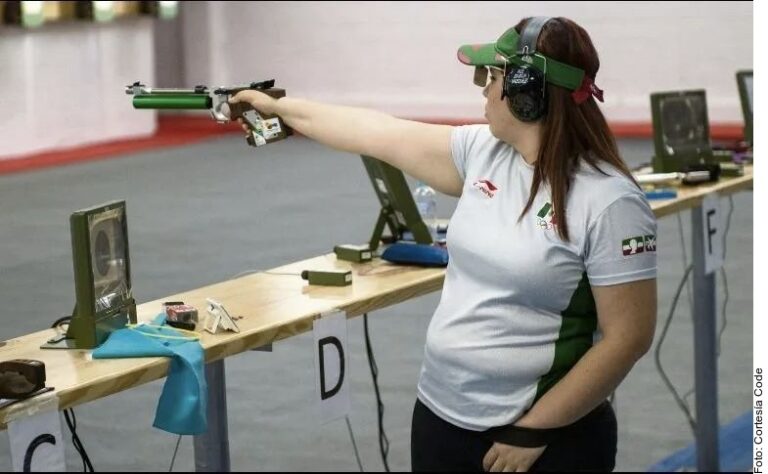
(575, 338)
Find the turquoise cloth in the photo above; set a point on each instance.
(183, 403)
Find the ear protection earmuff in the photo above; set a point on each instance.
(524, 85)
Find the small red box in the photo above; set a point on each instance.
(182, 313)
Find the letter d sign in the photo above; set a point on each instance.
(332, 391)
(324, 393)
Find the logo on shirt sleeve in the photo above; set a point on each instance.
(650, 243)
(639, 244)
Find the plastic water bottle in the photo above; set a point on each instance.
(426, 202)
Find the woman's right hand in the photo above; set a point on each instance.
(263, 103)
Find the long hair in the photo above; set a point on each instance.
(570, 132)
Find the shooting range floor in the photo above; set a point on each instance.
(206, 211)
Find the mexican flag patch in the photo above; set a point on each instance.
(633, 245)
(639, 244)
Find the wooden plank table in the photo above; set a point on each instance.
(273, 307)
(689, 197)
(278, 304)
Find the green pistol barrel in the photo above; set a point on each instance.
(172, 101)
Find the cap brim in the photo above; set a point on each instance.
(480, 55)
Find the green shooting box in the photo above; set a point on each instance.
(102, 269)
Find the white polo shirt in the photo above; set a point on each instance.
(516, 311)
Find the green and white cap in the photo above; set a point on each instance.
(505, 50)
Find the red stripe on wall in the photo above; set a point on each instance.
(185, 130)
(717, 131)
(171, 131)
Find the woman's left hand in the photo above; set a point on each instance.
(505, 458)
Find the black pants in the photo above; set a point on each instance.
(436, 445)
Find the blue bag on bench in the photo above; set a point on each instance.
(416, 254)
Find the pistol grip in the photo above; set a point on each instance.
(237, 110)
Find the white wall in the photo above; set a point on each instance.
(63, 85)
(400, 57)
(169, 54)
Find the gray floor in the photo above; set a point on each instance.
(203, 213)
